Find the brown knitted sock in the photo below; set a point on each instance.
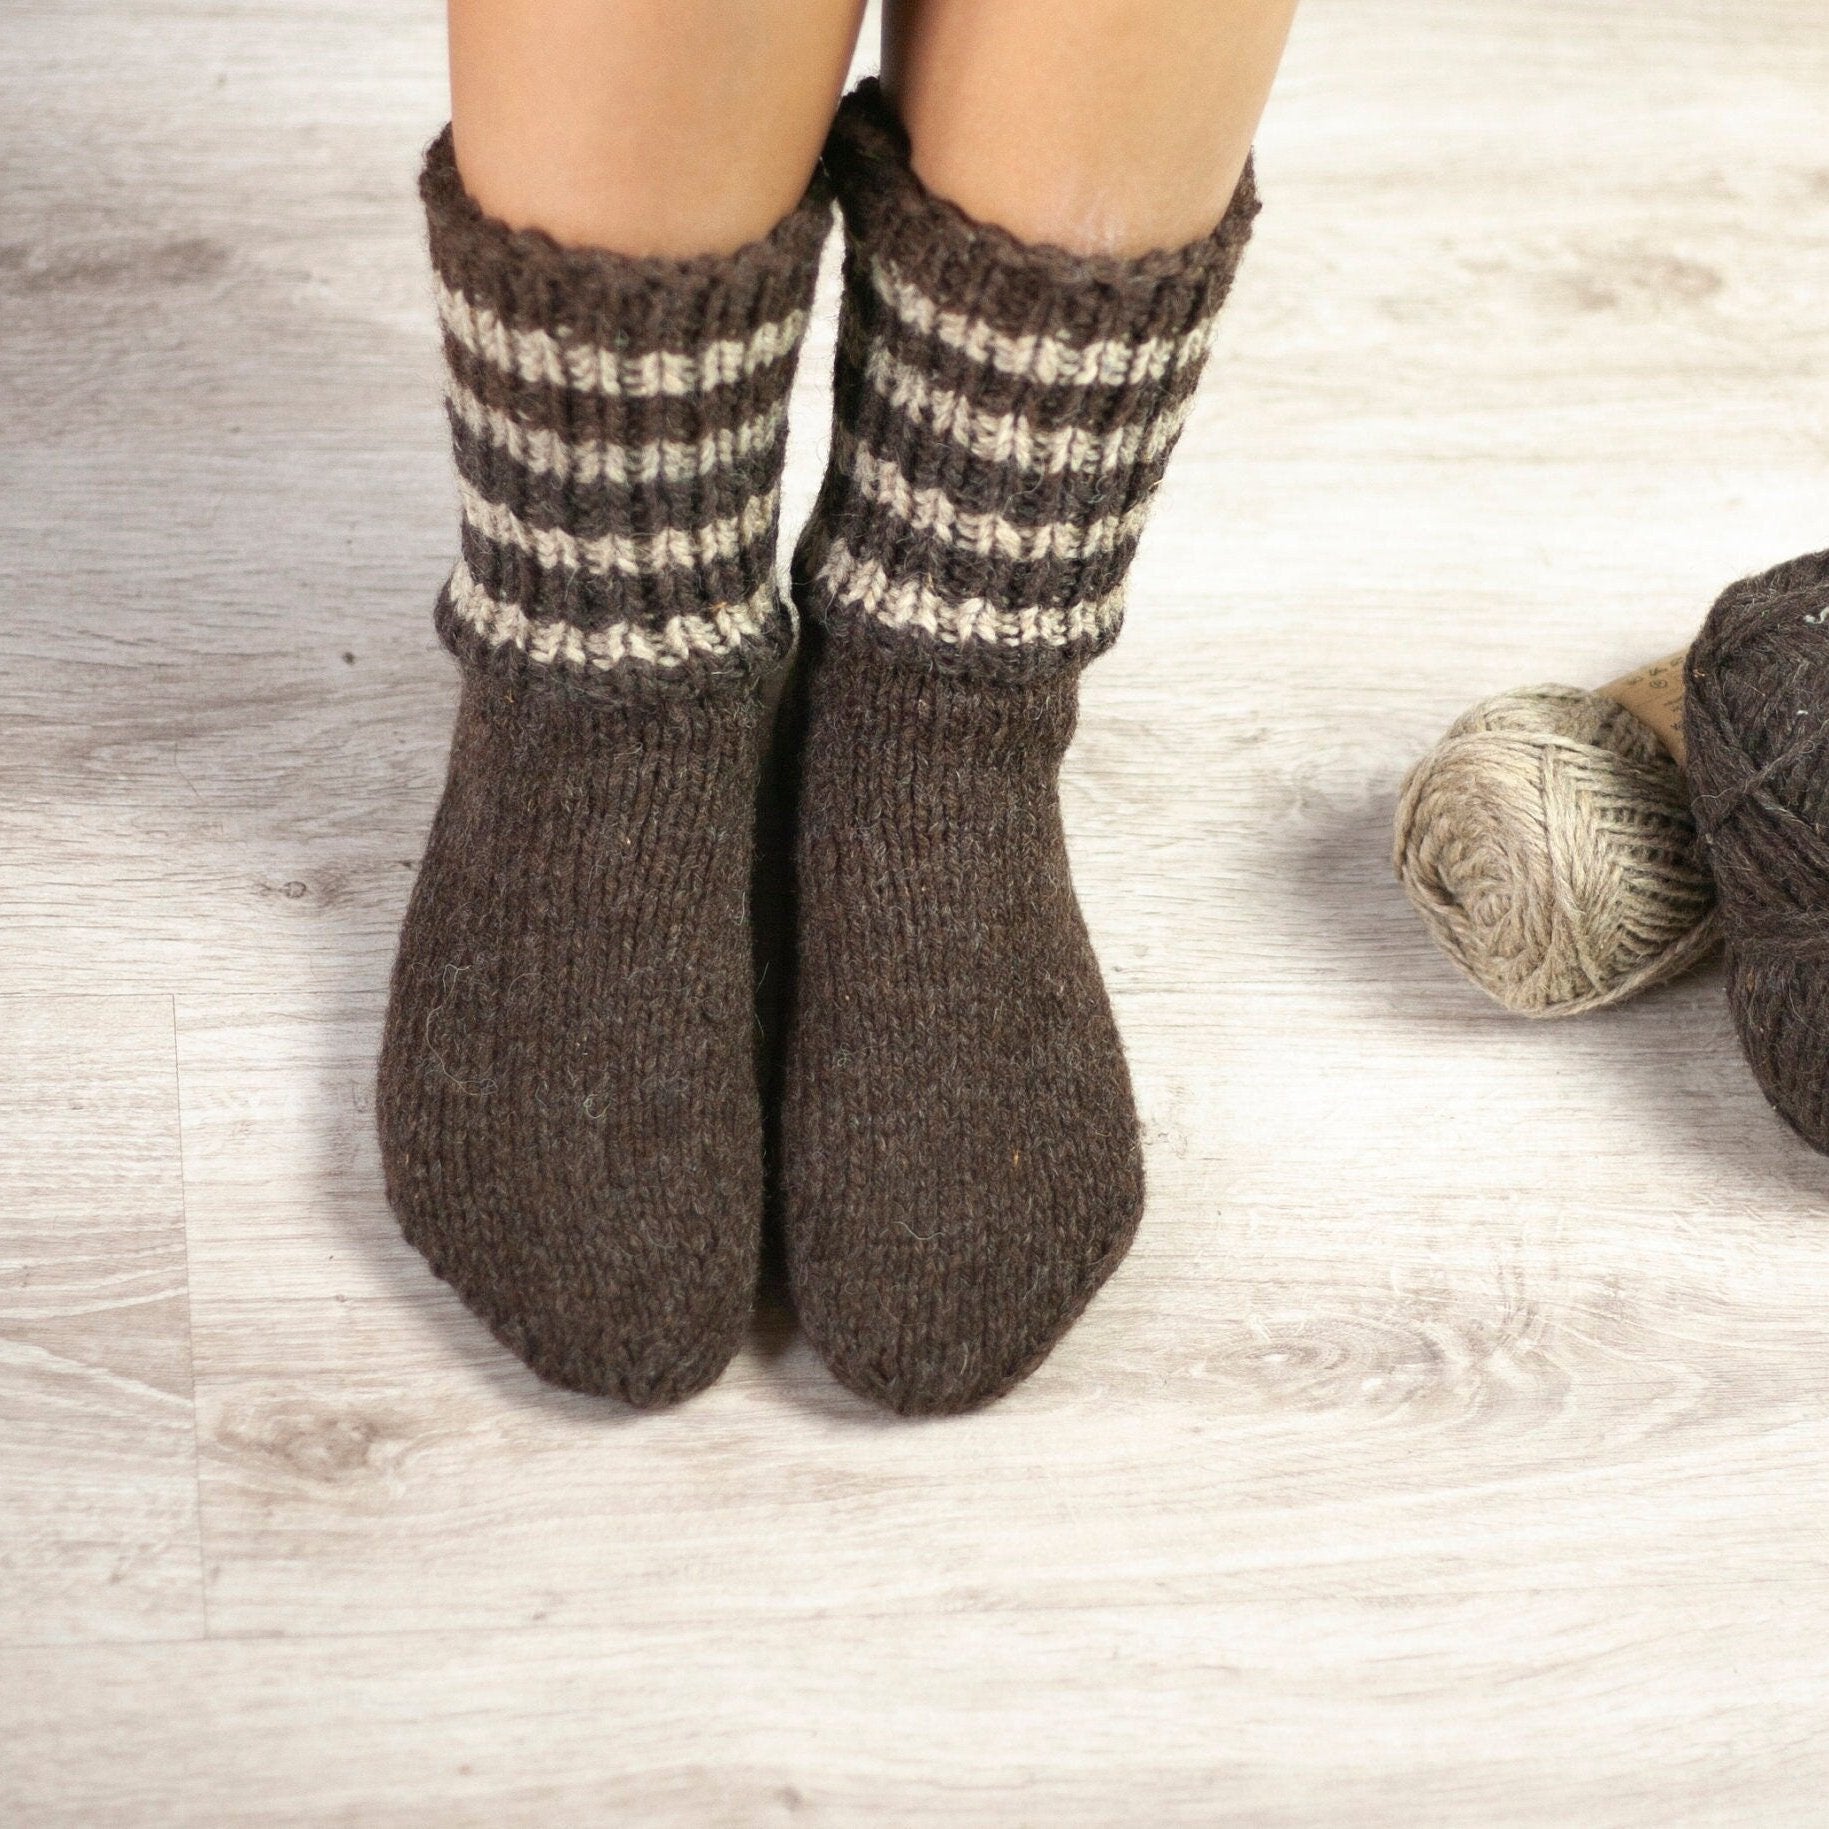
(567, 1099)
(961, 1166)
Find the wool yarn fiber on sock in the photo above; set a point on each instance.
(1548, 844)
(961, 1162)
(1757, 722)
(567, 1098)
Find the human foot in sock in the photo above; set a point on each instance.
(960, 1159)
(567, 1098)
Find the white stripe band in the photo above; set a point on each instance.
(913, 603)
(1009, 437)
(1041, 356)
(622, 555)
(539, 356)
(721, 631)
(931, 510)
(599, 461)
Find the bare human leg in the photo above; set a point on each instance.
(1100, 126)
(672, 127)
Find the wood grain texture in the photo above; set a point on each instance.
(1454, 1446)
(98, 1453)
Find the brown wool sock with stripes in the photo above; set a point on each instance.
(567, 1099)
(961, 1168)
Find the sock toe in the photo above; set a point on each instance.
(927, 1335)
(656, 1334)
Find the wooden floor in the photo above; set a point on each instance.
(1453, 1448)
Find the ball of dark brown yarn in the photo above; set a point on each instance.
(1756, 720)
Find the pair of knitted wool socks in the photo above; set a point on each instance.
(569, 1101)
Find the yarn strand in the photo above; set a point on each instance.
(1549, 845)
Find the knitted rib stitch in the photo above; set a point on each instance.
(961, 1164)
(619, 427)
(567, 1097)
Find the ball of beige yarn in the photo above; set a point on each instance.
(1547, 843)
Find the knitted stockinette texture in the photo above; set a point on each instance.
(567, 1099)
(961, 1166)
(1756, 725)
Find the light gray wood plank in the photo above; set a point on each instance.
(1450, 1449)
(1550, 1343)
(354, 1415)
(1355, 1710)
(98, 1524)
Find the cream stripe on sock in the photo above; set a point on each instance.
(596, 460)
(913, 603)
(1010, 437)
(931, 510)
(539, 356)
(1041, 356)
(625, 555)
(720, 631)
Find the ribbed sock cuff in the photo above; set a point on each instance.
(1004, 413)
(619, 426)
